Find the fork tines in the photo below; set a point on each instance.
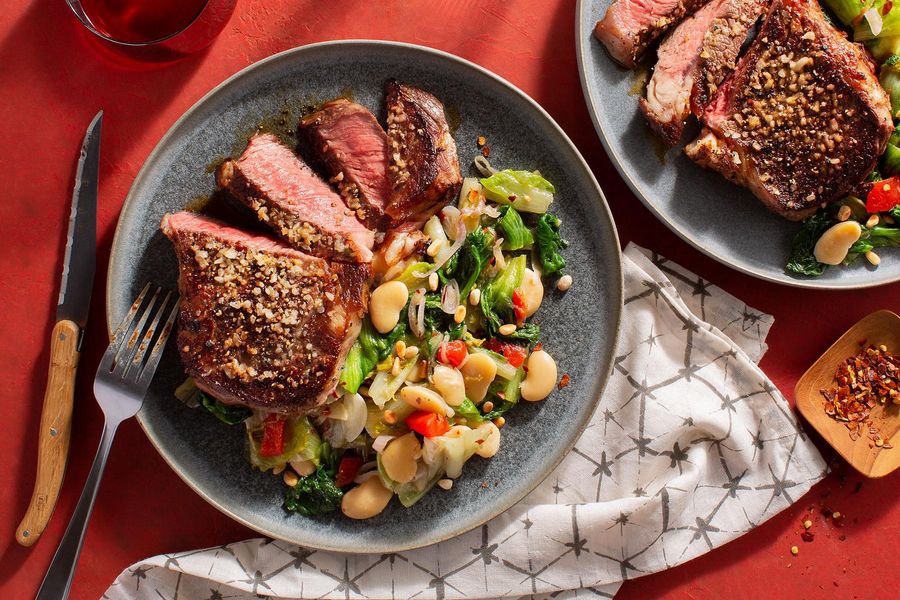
(140, 331)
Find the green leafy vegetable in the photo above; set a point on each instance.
(469, 412)
(529, 332)
(802, 261)
(876, 237)
(883, 47)
(890, 160)
(301, 440)
(226, 413)
(505, 394)
(496, 295)
(549, 244)
(408, 278)
(316, 494)
(527, 191)
(515, 234)
(369, 349)
(889, 78)
(466, 265)
(895, 213)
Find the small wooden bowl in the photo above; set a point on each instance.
(881, 327)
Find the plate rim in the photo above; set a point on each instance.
(128, 205)
(581, 50)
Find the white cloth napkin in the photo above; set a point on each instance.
(690, 447)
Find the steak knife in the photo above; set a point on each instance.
(65, 345)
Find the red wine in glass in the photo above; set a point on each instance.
(167, 29)
(141, 21)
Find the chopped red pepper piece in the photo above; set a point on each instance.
(519, 308)
(428, 424)
(452, 353)
(884, 195)
(513, 353)
(273, 436)
(347, 470)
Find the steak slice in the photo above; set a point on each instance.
(353, 149)
(629, 27)
(692, 62)
(424, 168)
(291, 199)
(802, 119)
(262, 324)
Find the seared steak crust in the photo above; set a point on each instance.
(290, 198)
(802, 119)
(353, 149)
(262, 324)
(629, 27)
(693, 60)
(424, 167)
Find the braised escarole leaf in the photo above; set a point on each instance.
(301, 441)
(316, 494)
(527, 191)
(466, 265)
(369, 349)
(513, 231)
(227, 413)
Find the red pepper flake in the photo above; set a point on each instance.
(564, 381)
(807, 536)
(887, 7)
(861, 383)
(486, 151)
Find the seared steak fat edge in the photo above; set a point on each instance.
(262, 324)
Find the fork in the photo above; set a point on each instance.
(122, 380)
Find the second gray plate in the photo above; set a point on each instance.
(579, 327)
(720, 219)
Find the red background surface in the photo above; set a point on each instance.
(53, 79)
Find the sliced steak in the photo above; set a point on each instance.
(262, 324)
(289, 197)
(629, 27)
(353, 149)
(693, 60)
(424, 168)
(802, 119)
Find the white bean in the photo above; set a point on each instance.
(478, 372)
(385, 305)
(490, 436)
(399, 458)
(532, 292)
(541, 377)
(421, 398)
(832, 247)
(449, 382)
(564, 283)
(366, 500)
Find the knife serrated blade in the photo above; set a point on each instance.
(81, 242)
(79, 265)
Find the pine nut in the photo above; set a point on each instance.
(474, 296)
(507, 329)
(395, 368)
(445, 484)
(487, 406)
(433, 282)
(565, 282)
(873, 258)
(499, 422)
(400, 348)
(291, 479)
(872, 221)
(460, 315)
(389, 417)
(843, 213)
(411, 351)
(434, 247)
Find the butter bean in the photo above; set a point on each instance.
(399, 458)
(541, 377)
(832, 247)
(449, 382)
(366, 500)
(478, 372)
(490, 436)
(421, 398)
(532, 292)
(385, 305)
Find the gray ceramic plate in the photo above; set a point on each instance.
(579, 327)
(720, 219)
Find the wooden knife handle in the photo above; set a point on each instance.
(56, 426)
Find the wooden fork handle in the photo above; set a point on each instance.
(53, 438)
